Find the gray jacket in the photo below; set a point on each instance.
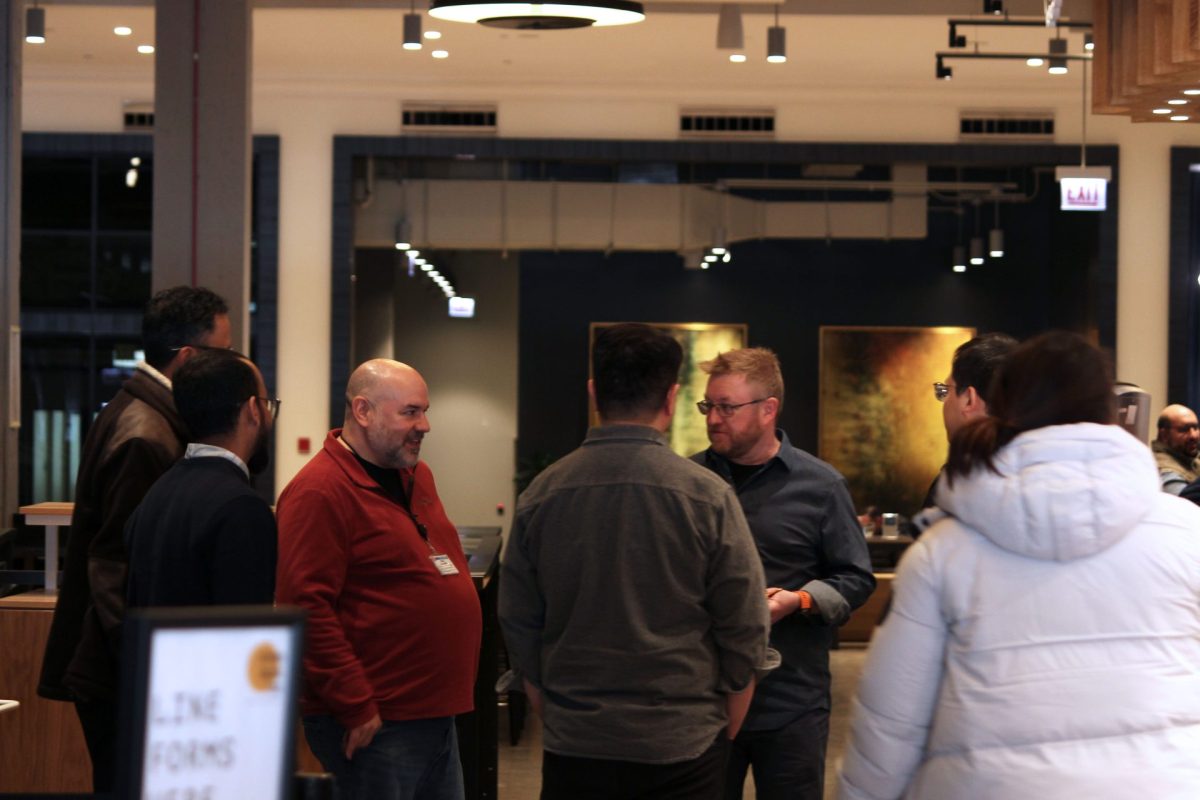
(632, 596)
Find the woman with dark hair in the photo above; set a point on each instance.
(1044, 640)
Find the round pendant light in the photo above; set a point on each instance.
(539, 16)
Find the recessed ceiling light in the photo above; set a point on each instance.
(1162, 111)
(1176, 102)
(737, 58)
(145, 49)
(1191, 92)
(123, 30)
(1034, 62)
(440, 54)
(1179, 118)
(433, 34)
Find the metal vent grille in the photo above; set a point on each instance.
(459, 120)
(1037, 126)
(752, 123)
(139, 117)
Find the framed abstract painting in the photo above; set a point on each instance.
(879, 423)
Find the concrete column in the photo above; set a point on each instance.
(11, 42)
(202, 152)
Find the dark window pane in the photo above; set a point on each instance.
(122, 271)
(55, 270)
(56, 193)
(119, 205)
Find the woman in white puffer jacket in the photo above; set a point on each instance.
(1044, 639)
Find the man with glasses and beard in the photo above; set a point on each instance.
(1176, 447)
(203, 535)
(816, 563)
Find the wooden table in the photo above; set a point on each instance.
(51, 516)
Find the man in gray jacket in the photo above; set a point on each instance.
(632, 597)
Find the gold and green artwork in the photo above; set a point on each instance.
(880, 425)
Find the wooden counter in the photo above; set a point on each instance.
(41, 744)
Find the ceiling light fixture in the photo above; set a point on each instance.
(35, 25)
(145, 49)
(1058, 65)
(976, 250)
(1162, 111)
(1179, 118)
(539, 16)
(123, 30)
(996, 235)
(1035, 61)
(440, 54)
(1177, 102)
(1191, 92)
(1089, 43)
(729, 32)
(403, 236)
(995, 7)
(412, 28)
(776, 42)
(944, 73)
(959, 257)
(432, 34)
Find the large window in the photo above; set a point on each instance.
(86, 211)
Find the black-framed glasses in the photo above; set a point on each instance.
(273, 404)
(941, 391)
(725, 409)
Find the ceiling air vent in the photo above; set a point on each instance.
(139, 116)
(459, 120)
(1023, 126)
(741, 123)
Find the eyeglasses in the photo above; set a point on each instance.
(941, 391)
(725, 409)
(273, 404)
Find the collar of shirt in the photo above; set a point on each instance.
(154, 374)
(786, 455)
(610, 433)
(197, 450)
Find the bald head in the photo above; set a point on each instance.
(1178, 430)
(385, 422)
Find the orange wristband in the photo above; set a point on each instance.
(805, 601)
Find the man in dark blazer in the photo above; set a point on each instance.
(202, 535)
(133, 440)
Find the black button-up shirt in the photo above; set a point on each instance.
(808, 537)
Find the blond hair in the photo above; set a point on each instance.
(758, 364)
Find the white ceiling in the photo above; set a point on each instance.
(358, 44)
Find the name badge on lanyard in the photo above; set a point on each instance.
(443, 563)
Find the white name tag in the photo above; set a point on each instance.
(444, 565)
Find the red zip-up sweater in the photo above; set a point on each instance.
(387, 633)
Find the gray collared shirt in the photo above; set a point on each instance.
(632, 596)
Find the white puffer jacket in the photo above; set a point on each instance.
(1043, 642)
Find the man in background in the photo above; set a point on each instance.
(632, 599)
(202, 535)
(817, 570)
(1176, 447)
(130, 444)
(394, 623)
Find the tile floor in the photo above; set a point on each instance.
(521, 765)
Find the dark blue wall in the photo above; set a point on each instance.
(1058, 273)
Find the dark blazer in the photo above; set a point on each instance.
(132, 442)
(201, 537)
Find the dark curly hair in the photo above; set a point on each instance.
(175, 318)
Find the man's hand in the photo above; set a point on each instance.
(534, 696)
(360, 736)
(781, 602)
